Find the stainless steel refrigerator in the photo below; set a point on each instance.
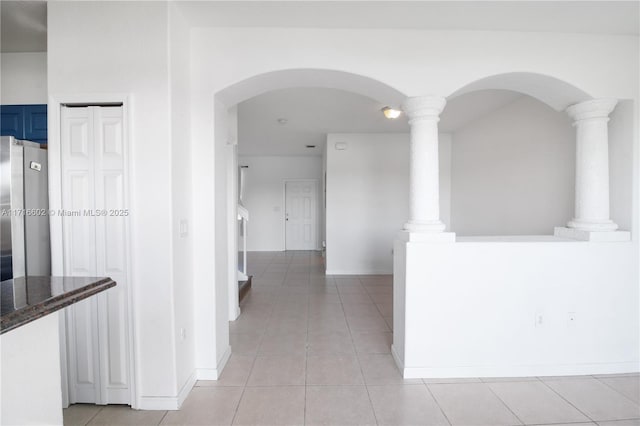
(24, 215)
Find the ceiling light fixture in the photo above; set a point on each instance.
(391, 113)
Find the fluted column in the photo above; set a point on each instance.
(592, 165)
(424, 186)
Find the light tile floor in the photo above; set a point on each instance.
(315, 349)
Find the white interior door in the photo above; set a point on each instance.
(95, 244)
(300, 215)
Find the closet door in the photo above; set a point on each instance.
(79, 239)
(111, 252)
(95, 244)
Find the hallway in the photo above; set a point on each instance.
(315, 349)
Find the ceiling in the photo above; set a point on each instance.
(311, 113)
(23, 26)
(24, 23)
(596, 17)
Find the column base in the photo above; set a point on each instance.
(588, 235)
(430, 226)
(604, 225)
(427, 237)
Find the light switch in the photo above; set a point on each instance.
(184, 228)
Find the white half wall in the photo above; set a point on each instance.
(513, 171)
(368, 199)
(264, 197)
(24, 78)
(503, 309)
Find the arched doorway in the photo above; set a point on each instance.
(216, 287)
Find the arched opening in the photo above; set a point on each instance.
(512, 164)
(492, 285)
(324, 78)
(552, 91)
(513, 154)
(223, 286)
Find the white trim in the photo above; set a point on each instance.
(516, 370)
(214, 373)
(186, 388)
(232, 231)
(55, 102)
(64, 374)
(168, 402)
(158, 403)
(236, 313)
(397, 359)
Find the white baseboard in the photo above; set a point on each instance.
(515, 370)
(397, 359)
(234, 314)
(186, 388)
(214, 373)
(168, 402)
(158, 403)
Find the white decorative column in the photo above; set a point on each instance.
(591, 220)
(424, 227)
(424, 182)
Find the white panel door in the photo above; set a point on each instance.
(80, 251)
(300, 215)
(93, 164)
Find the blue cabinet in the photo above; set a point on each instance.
(12, 120)
(24, 122)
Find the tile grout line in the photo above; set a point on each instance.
(437, 403)
(568, 402)
(503, 403)
(246, 382)
(163, 416)
(92, 417)
(616, 390)
(364, 380)
(306, 362)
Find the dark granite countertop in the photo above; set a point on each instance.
(26, 299)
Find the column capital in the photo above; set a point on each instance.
(423, 107)
(593, 109)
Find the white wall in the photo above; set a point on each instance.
(92, 50)
(609, 67)
(389, 56)
(181, 196)
(224, 120)
(24, 78)
(471, 310)
(368, 199)
(264, 197)
(30, 361)
(513, 171)
(621, 163)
